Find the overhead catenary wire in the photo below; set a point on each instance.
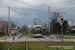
(23, 11)
(44, 5)
(69, 9)
(63, 12)
(53, 3)
(62, 2)
(41, 9)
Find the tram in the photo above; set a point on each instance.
(36, 31)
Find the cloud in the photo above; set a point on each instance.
(14, 15)
(4, 13)
(33, 2)
(31, 8)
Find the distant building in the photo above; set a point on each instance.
(1, 19)
(70, 23)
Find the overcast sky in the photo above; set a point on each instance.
(31, 8)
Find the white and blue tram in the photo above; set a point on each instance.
(36, 31)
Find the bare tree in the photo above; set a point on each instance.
(3, 26)
(54, 19)
(19, 29)
(13, 25)
(24, 28)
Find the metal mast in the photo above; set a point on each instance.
(49, 19)
(9, 21)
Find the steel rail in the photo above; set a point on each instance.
(13, 44)
(47, 43)
(26, 44)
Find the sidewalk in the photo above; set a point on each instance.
(23, 38)
(8, 39)
(59, 39)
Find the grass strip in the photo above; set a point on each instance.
(19, 46)
(5, 45)
(36, 45)
(59, 45)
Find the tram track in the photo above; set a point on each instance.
(58, 43)
(44, 40)
(26, 44)
(14, 43)
(47, 43)
(54, 42)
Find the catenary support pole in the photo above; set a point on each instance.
(62, 30)
(9, 21)
(49, 21)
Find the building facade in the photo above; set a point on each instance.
(70, 23)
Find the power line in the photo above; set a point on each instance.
(52, 3)
(66, 11)
(23, 10)
(69, 9)
(41, 9)
(63, 2)
(35, 21)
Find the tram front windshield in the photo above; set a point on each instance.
(37, 30)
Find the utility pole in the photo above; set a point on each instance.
(57, 30)
(9, 21)
(16, 22)
(35, 21)
(49, 20)
(5, 32)
(62, 27)
(66, 28)
(39, 22)
(62, 30)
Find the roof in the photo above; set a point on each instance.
(69, 20)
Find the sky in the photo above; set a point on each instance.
(24, 11)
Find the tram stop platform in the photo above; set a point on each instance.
(9, 39)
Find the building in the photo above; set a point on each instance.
(70, 23)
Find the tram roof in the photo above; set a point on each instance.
(37, 26)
